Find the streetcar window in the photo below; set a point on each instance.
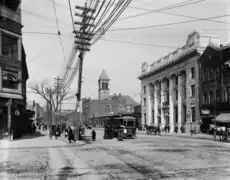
(130, 123)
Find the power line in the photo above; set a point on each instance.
(168, 24)
(175, 14)
(172, 6)
(136, 43)
(88, 89)
(59, 33)
(41, 16)
(119, 41)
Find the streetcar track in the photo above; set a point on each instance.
(174, 173)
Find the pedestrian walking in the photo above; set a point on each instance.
(70, 135)
(50, 132)
(93, 135)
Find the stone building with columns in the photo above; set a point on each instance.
(170, 87)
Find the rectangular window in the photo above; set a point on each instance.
(176, 80)
(228, 93)
(9, 46)
(211, 96)
(203, 75)
(9, 79)
(205, 98)
(192, 73)
(144, 89)
(145, 119)
(217, 96)
(193, 114)
(192, 91)
(144, 101)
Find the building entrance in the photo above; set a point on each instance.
(3, 120)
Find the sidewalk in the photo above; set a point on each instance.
(34, 141)
(184, 135)
(62, 163)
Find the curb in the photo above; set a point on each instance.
(78, 143)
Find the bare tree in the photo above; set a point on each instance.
(49, 94)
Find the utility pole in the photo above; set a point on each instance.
(83, 38)
(58, 93)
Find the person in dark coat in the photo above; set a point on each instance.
(93, 135)
(70, 135)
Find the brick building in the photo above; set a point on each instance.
(170, 87)
(13, 68)
(214, 84)
(106, 104)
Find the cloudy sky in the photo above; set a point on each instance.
(122, 61)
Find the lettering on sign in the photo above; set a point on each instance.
(205, 111)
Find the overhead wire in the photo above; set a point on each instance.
(101, 31)
(73, 52)
(76, 69)
(113, 20)
(127, 42)
(168, 24)
(59, 33)
(175, 14)
(136, 43)
(172, 6)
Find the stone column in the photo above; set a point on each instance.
(162, 100)
(0, 78)
(171, 103)
(156, 89)
(0, 43)
(180, 100)
(149, 104)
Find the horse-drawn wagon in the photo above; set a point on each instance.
(221, 127)
(153, 129)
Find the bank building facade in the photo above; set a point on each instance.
(170, 87)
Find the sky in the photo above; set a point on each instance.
(122, 61)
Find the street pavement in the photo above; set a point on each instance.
(144, 158)
(157, 157)
(37, 157)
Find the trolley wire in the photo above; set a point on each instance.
(59, 33)
(169, 24)
(172, 6)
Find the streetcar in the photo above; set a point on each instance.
(113, 124)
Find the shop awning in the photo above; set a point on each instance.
(223, 118)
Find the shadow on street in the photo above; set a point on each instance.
(30, 136)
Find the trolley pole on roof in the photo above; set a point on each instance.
(82, 40)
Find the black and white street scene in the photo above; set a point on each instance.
(115, 90)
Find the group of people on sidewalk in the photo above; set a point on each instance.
(68, 132)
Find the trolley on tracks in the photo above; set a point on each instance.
(113, 126)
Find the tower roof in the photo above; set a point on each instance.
(104, 76)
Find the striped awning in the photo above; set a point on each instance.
(223, 118)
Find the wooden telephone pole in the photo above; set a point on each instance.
(83, 38)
